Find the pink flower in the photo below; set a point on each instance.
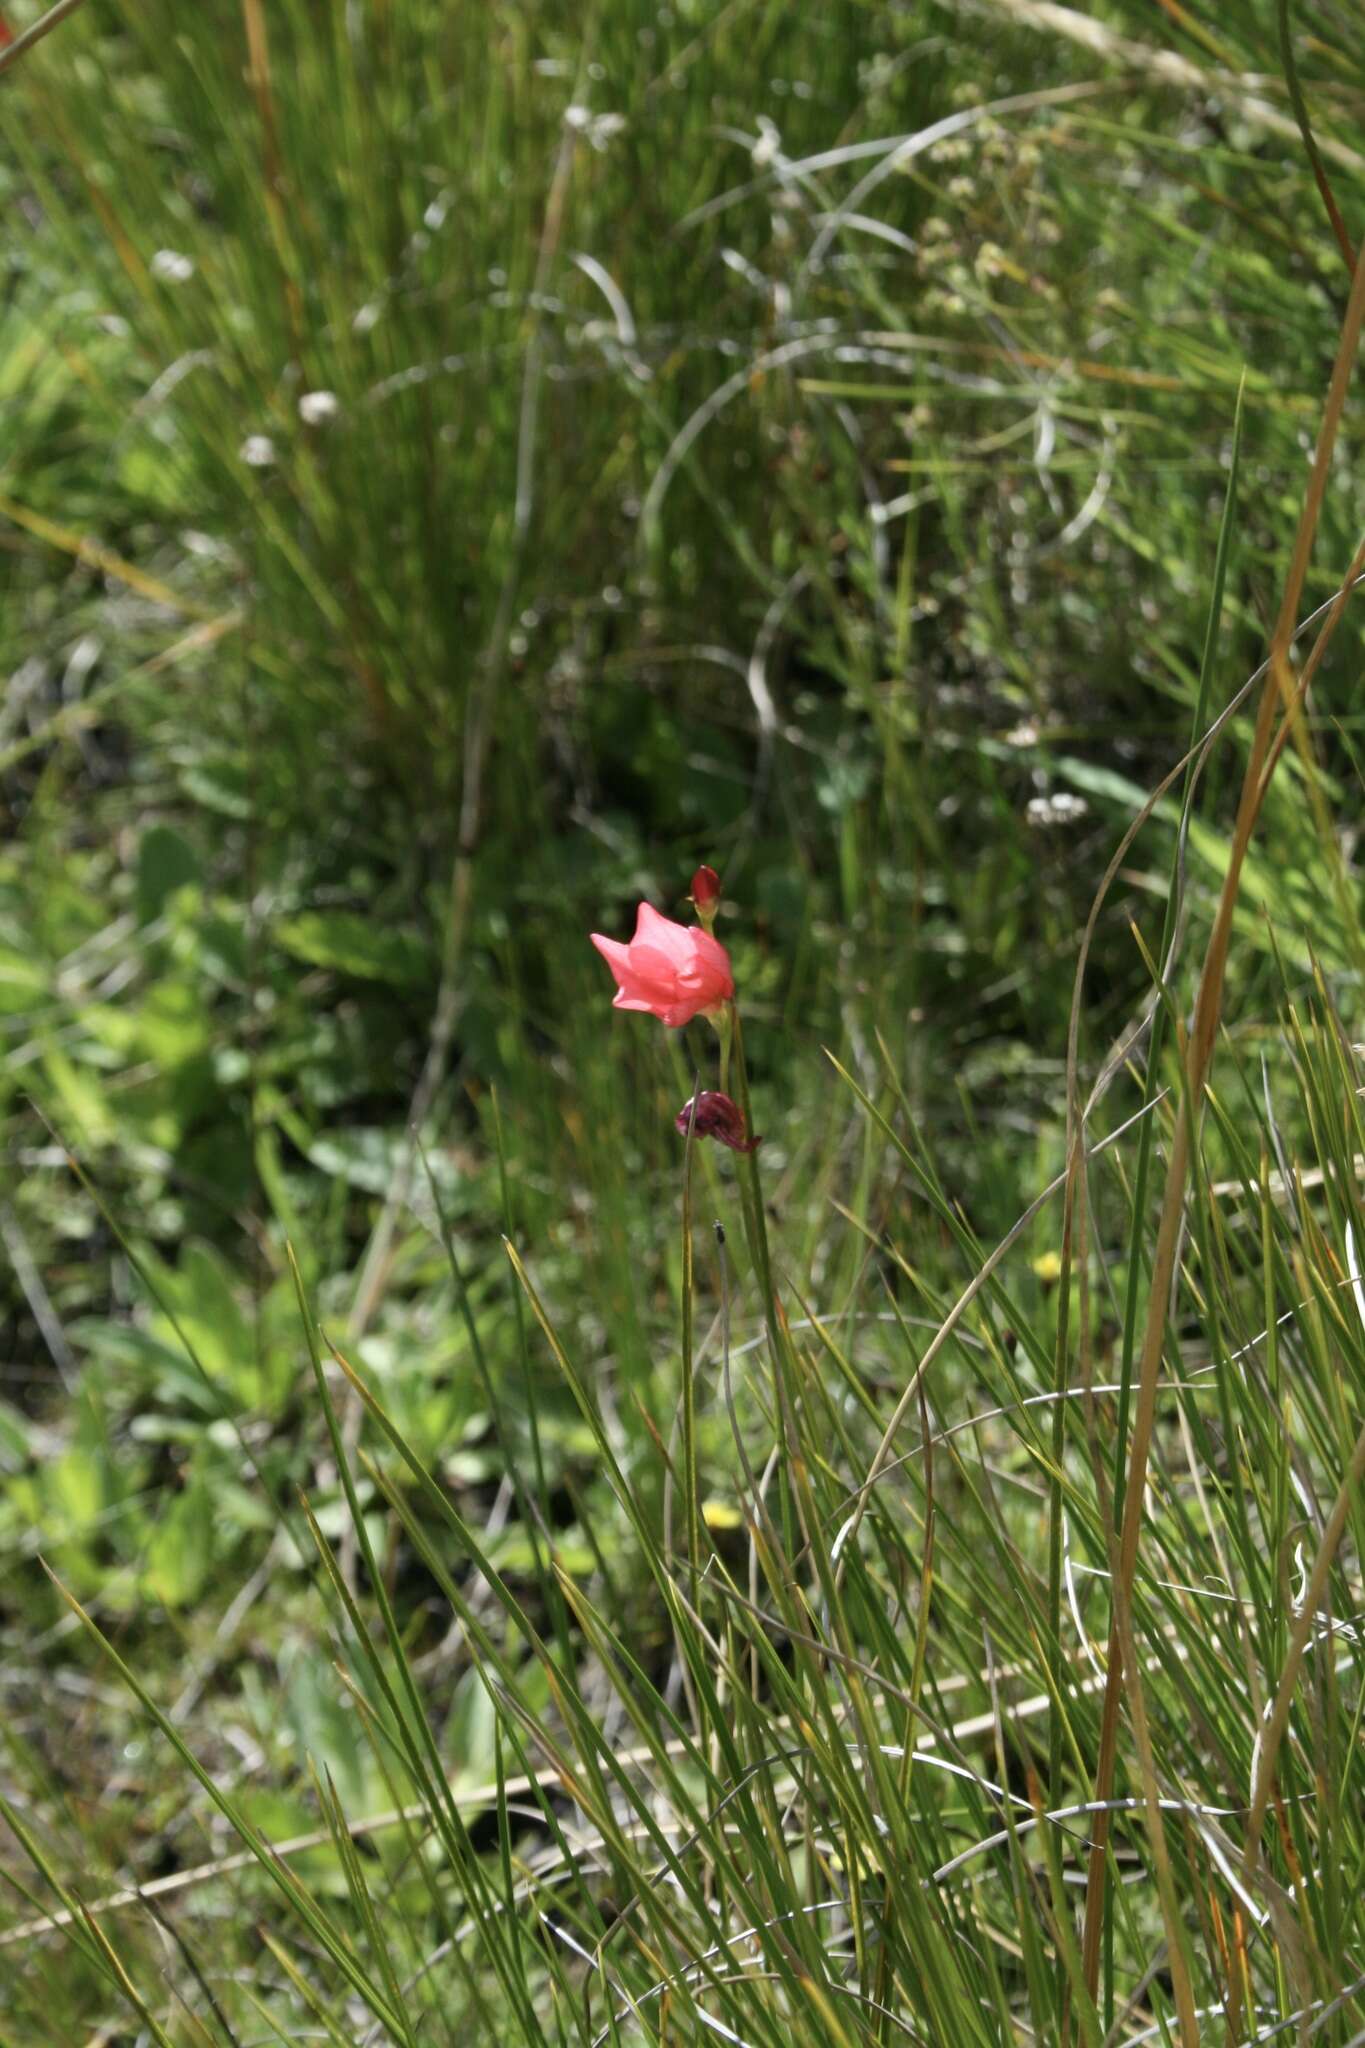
(675, 971)
(719, 1118)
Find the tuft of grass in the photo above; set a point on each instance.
(920, 1598)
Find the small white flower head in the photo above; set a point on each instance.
(1061, 808)
(768, 146)
(317, 408)
(258, 451)
(604, 128)
(171, 267)
(599, 128)
(1025, 734)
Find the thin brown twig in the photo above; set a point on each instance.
(1314, 154)
(44, 26)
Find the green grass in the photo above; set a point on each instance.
(868, 464)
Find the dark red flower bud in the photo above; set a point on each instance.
(720, 1118)
(705, 894)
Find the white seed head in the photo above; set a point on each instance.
(171, 267)
(316, 408)
(768, 145)
(1061, 808)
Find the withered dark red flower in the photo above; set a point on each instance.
(719, 1118)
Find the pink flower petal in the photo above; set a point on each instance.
(613, 952)
(712, 952)
(652, 962)
(662, 935)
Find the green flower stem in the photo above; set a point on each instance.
(755, 1217)
(785, 1370)
(725, 1023)
(691, 1502)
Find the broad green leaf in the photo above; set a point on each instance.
(165, 862)
(23, 982)
(355, 945)
(180, 1553)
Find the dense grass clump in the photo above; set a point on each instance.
(474, 1562)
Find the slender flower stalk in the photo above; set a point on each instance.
(755, 1218)
(687, 1123)
(725, 1031)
